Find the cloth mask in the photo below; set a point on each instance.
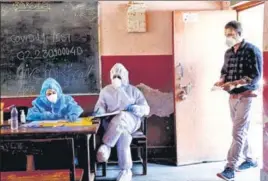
(52, 98)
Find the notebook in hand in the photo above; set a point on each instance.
(107, 114)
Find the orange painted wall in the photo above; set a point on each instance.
(115, 40)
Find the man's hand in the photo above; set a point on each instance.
(219, 83)
(228, 86)
(241, 82)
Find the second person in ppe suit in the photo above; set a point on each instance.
(120, 96)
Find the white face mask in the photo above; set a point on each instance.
(116, 83)
(230, 41)
(52, 98)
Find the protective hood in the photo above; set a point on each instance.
(64, 108)
(119, 69)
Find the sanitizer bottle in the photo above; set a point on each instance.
(22, 117)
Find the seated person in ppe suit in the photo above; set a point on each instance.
(120, 96)
(52, 104)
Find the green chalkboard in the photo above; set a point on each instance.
(49, 39)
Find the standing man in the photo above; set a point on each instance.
(241, 60)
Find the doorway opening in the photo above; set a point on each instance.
(205, 114)
(252, 20)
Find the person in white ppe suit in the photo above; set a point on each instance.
(120, 96)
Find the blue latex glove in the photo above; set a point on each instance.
(72, 118)
(135, 109)
(50, 116)
(129, 108)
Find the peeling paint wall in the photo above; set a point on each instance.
(160, 102)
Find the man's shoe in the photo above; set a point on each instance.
(228, 174)
(247, 165)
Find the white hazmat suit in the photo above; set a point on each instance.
(120, 96)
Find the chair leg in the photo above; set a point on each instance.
(144, 161)
(104, 167)
(140, 151)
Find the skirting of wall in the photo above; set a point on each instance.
(264, 175)
(165, 152)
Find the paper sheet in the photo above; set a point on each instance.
(215, 88)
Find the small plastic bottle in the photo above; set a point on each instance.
(14, 123)
(22, 117)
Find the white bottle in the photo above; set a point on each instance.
(22, 117)
(14, 118)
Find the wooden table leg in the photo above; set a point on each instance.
(71, 153)
(85, 152)
(92, 147)
(30, 164)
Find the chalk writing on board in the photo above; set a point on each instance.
(50, 53)
(20, 147)
(4, 10)
(31, 6)
(61, 43)
(69, 73)
(42, 38)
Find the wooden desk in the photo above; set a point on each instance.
(85, 135)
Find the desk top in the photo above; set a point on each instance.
(92, 129)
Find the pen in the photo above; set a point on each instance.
(94, 113)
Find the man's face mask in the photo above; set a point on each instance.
(116, 82)
(230, 41)
(52, 96)
(232, 37)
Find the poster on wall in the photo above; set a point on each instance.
(136, 18)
